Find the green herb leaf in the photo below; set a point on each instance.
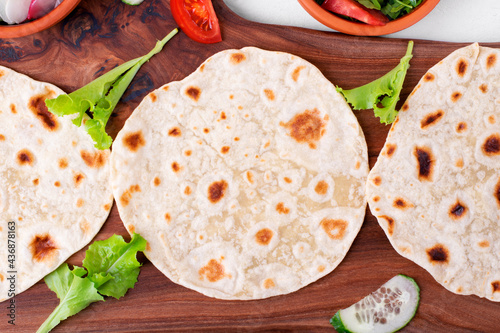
(112, 270)
(371, 4)
(382, 94)
(100, 97)
(116, 258)
(397, 8)
(74, 292)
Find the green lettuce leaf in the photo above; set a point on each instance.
(115, 257)
(74, 292)
(110, 268)
(100, 97)
(382, 94)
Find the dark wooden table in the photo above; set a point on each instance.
(100, 34)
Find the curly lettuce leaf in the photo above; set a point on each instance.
(382, 94)
(115, 257)
(110, 268)
(100, 97)
(74, 292)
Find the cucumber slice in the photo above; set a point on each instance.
(133, 2)
(388, 309)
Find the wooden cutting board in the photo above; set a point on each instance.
(100, 34)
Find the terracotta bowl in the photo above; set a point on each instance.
(361, 29)
(44, 22)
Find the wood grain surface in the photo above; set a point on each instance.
(100, 34)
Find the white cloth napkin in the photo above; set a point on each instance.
(451, 20)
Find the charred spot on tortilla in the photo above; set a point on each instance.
(321, 187)
(390, 149)
(458, 210)
(175, 131)
(461, 127)
(156, 181)
(282, 209)
(80, 202)
(249, 175)
(491, 146)
(237, 58)
(96, 159)
(497, 192)
(377, 180)
(484, 244)
(484, 88)
(216, 191)
(78, 178)
(133, 141)
(187, 190)
(57, 183)
(495, 285)
(431, 119)
(264, 236)
(63, 163)
(491, 60)
(461, 67)
(456, 96)
(269, 94)
(224, 150)
(127, 195)
(390, 224)
(193, 93)
(334, 228)
(268, 284)
(36, 181)
(425, 161)
(438, 254)
(13, 108)
(25, 157)
(401, 203)
(153, 97)
(43, 248)
(213, 271)
(405, 107)
(306, 127)
(2, 137)
(37, 105)
(428, 77)
(296, 73)
(223, 115)
(176, 167)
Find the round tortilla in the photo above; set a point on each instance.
(54, 185)
(246, 178)
(435, 188)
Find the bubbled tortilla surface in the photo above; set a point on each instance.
(246, 178)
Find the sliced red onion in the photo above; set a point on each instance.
(39, 8)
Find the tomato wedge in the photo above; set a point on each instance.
(197, 19)
(355, 10)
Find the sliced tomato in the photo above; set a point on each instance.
(356, 10)
(197, 19)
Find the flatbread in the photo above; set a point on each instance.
(435, 188)
(246, 178)
(54, 185)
